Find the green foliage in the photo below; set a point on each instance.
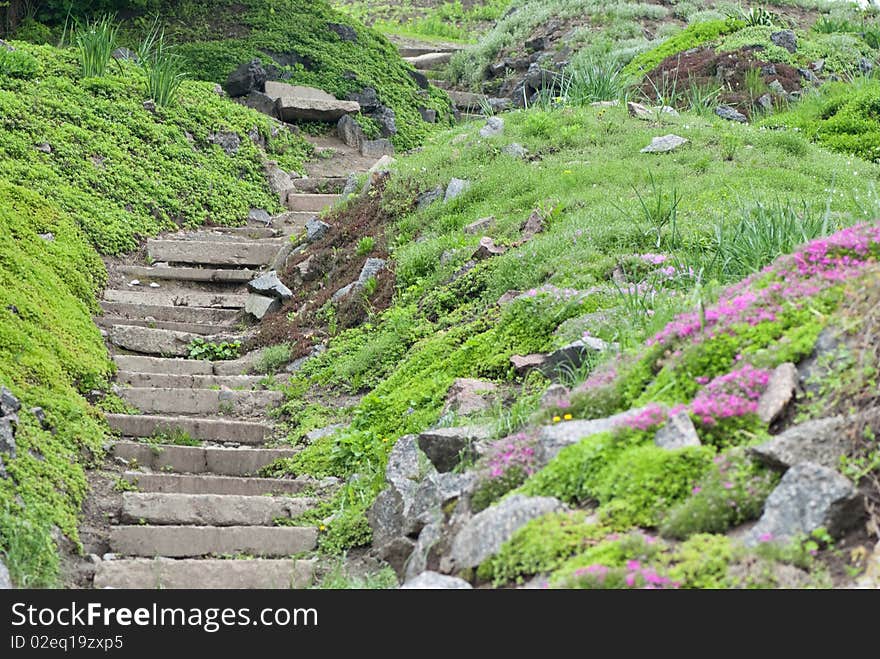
(755, 16)
(541, 546)
(690, 37)
(339, 578)
(95, 40)
(703, 561)
(365, 245)
(272, 359)
(164, 69)
(17, 64)
(591, 81)
(201, 349)
(733, 491)
(492, 489)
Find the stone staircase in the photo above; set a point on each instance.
(199, 515)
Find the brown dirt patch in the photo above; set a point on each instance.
(705, 67)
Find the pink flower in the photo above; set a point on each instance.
(696, 490)
(765, 537)
(728, 485)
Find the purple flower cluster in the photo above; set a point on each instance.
(648, 417)
(761, 297)
(732, 395)
(654, 259)
(634, 575)
(514, 452)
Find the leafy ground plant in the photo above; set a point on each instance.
(201, 349)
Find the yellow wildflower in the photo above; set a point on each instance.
(568, 417)
(556, 419)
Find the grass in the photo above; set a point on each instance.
(165, 70)
(95, 41)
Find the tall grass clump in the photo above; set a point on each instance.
(95, 41)
(165, 70)
(592, 81)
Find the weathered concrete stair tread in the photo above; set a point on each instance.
(176, 298)
(311, 202)
(219, 275)
(171, 366)
(108, 321)
(138, 379)
(153, 341)
(214, 253)
(320, 184)
(188, 541)
(214, 430)
(429, 60)
(169, 400)
(210, 509)
(209, 484)
(199, 315)
(291, 108)
(467, 99)
(199, 459)
(173, 574)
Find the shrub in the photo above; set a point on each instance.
(692, 36)
(272, 359)
(506, 465)
(17, 64)
(703, 562)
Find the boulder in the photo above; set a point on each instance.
(456, 188)
(554, 438)
(483, 534)
(377, 148)
(728, 113)
(515, 150)
(480, 226)
(785, 39)
(316, 229)
(418, 560)
(429, 116)
(765, 102)
(270, 285)
(809, 76)
(9, 404)
(125, 54)
(435, 581)
(226, 140)
(42, 419)
(819, 364)
(776, 88)
(386, 119)
(350, 132)
(664, 144)
(494, 127)
(677, 432)
(419, 78)
(260, 305)
(808, 497)
(430, 196)
(7, 437)
(250, 76)
(257, 100)
(487, 249)
(344, 32)
(308, 103)
(367, 98)
(571, 356)
(280, 182)
(382, 165)
(5, 580)
(259, 215)
(821, 442)
(469, 396)
(781, 390)
(446, 447)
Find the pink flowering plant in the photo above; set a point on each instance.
(507, 465)
(632, 575)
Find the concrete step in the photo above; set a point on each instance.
(197, 315)
(320, 184)
(177, 298)
(108, 321)
(429, 60)
(206, 430)
(238, 253)
(210, 509)
(201, 484)
(199, 459)
(137, 363)
(188, 541)
(311, 202)
(149, 341)
(240, 382)
(211, 275)
(168, 400)
(416, 50)
(166, 573)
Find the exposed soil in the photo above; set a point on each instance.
(706, 68)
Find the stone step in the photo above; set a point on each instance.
(256, 231)
(311, 202)
(429, 60)
(292, 221)
(207, 430)
(228, 253)
(137, 379)
(211, 275)
(176, 298)
(296, 108)
(201, 484)
(188, 541)
(320, 184)
(107, 321)
(137, 363)
(441, 84)
(467, 100)
(168, 400)
(414, 50)
(197, 315)
(199, 459)
(163, 342)
(167, 573)
(210, 509)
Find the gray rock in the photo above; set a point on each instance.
(776, 88)
(818, 66)
(435, 581)
(259, 215)
(261, 102)
(821, 441)
(6, 581)
(605, 104)
(429, 116)
(270, 285)
(781, 389)
(809, 76)
(554, 395)
(446, 447)
(382, 165)
(469, 396)
(664, 144)
(427, 198)
(377, 148)
(349, 131)
(487, 249)
(44, 147)
(367, 98)
(372, 267)
(482, 535)
(480, 226)
(150, 105)
(865, 66)
(419, 78)
(345, 32)
(8, 402)
(316, 229)
(280, 182)
(785, 39)
(260, 305)
(228, 141)
(677, 432)
(729, 114)
(250, 76)
(386, 119)
(326, 431)
(40, 416)
(639, 111)
(515, 150)
(808, 497)
(124, 54)
(765, 102)
(7, 437)
(556, 437)
(819, 364)
(494, 127)
(571, 356)
(456, 188)
(418, 560)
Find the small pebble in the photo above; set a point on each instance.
(154, 284)
(134, 282)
